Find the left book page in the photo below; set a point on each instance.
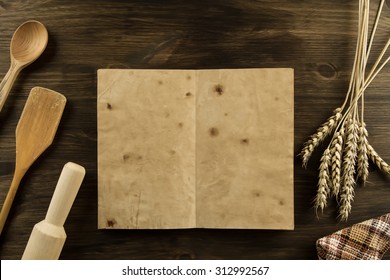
(146, 137)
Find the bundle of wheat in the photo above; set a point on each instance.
(345, 160)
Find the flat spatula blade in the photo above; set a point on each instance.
(38, 124)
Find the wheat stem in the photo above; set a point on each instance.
(378, 14)
(378, 60)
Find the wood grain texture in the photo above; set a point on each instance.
(316, 38)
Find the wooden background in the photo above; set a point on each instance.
(316, 38)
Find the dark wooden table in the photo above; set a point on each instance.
(316, 38)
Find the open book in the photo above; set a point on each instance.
(195, 149)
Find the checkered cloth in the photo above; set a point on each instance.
(368, 240)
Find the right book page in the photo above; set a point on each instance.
(244, 149)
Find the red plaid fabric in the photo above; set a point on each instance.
(368, 240)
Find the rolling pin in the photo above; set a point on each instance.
(48, 236)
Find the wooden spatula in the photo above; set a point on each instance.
(34, 133)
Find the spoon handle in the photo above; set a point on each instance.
(7, 83)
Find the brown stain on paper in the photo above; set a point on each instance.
(111, 222)
(219, 89)
(213, 131)
(131, 156)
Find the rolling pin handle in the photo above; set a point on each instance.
(65, 193)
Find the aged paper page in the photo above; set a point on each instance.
(244, 149)
(146, 149)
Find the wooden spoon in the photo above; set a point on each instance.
(27, 44)
(34, 133)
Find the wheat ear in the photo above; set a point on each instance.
(377, 159)
(362, 165)
(336, 151)
(323, 187)
(322, 132)
(349, 162)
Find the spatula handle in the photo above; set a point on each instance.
(10, 197)
(65, 192)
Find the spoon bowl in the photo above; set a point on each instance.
(27, 44)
